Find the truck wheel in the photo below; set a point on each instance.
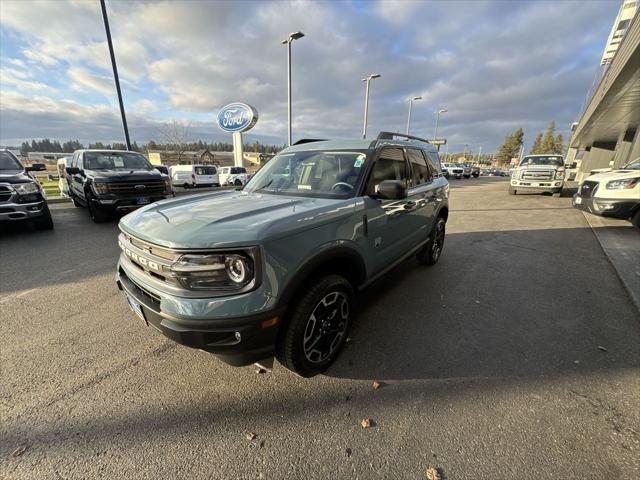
(431, 252)
(635, 219)
(44, 222)
(317, 326)
(75, 202)
(512, 191)
(97, 214)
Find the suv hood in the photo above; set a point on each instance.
(128, 175)
(14, 176)
(231, 218)
(613, 175)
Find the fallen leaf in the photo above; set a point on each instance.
(249, 435)
(376, 385)
(600, 347)
(477, 301)
(19, 451)
(348, 452)
(432, 473)
(367, 423)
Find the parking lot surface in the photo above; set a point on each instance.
(516, 356)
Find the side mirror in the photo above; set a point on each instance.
(72, 170)
(392, 190)
(36, 167)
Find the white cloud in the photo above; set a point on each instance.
(83, 80)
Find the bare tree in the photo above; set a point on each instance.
(175, 136)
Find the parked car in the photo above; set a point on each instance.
(233, 176)
(475, 170)
(454, 170)
(273, 269)
(110, 181)
(466, 170)
(193, 176)
(63, 181)
(614, 193)
(538, 174)
(21, 196)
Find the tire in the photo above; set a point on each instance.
(44, 222)
(75, 202)
(432, 251)
(512, 191)
(635, 219)
(185, 186)
(97, 214)
(321, 295)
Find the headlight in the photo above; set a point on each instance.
(101, 188)
(622, 184)
(559, 174)
(225, 271)
(167, 185)
(25, 188)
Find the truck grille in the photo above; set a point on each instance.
(537, 175)
(5, 193)
(588, 189)
(457, 171)
(137, 188)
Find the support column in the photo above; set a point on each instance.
(238, 159)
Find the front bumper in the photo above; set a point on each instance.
(615, 208)
(10, 211)
(237, 341)
(553, 186)
(126, 204)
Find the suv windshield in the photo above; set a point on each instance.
(554, 160)
(311, 174)
(9, 162)
(115, 161)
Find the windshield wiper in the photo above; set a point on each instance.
(265, 185)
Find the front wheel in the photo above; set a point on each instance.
(317, 326)
(44, 222)
(97, 214)
(635, 219)
(512, 191)
(431, 252)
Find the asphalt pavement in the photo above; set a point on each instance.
(517, 356)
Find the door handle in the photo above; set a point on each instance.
(410, 205)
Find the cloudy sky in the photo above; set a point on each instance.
(494, 65)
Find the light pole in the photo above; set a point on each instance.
(438, 112)
(411, 100)
(287, 41)
(366, 101)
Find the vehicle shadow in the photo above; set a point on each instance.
(498, 304)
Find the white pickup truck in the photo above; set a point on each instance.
(538, 174)
(613, 193)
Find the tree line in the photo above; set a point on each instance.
(70, 146)
(548, 142)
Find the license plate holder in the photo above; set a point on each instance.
(136, 308)
(143, 200)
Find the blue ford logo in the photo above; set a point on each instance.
(237, 117)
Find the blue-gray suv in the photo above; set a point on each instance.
(273, 269)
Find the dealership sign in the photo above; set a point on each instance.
(237, 117)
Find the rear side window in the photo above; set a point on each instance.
(390, 165)
(420, 171)
(237, 170)
(434, 163)
(205, 170)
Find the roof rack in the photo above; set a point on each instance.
(309, 140)
(391, 135)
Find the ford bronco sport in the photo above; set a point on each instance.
(273, 269)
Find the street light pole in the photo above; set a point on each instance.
(438, 112)
(411, 100)
(287, 41)
(366, 101)
(115, 74)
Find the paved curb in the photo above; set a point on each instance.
(628, 277)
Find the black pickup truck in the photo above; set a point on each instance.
(112, 181)
(21, 196)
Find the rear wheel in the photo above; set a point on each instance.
(431, 252)
(44, 222)
(635, 219)
(317, 326)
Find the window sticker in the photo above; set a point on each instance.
(118, 162)
(359, 161)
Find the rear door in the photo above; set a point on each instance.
(421, 193)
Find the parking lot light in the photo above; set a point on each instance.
(367, 80)
(438, 112)
(287, 41)
(411, 100)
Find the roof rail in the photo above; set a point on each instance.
(309, 140)
(391, 135)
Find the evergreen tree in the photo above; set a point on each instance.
(537, 144)
(549, 140)
(559, 145)
(511, 146)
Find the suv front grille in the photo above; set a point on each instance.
(154, 187)
(588, 188)
(537, 175)
(5, 193)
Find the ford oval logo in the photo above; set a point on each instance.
(237, 117)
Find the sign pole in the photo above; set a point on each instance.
(237, 149)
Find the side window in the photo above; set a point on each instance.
(420, 171)
(434, 163)
(390, 165)
(79, 161)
